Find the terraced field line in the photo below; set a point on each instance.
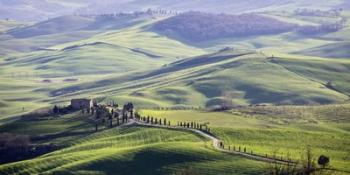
(216, 142)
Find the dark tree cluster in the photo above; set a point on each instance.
(102, 112)
(128, 107)
(18, 147)
(62, 110)
(152, 120)
(13, 147)
(194, 125)
(199, 26)
(177, 107)
(148, 12)
(323, 28)
(105, 114)
(13, 141)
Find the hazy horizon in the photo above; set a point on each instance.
(38, 10)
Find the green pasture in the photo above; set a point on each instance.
(137, 150)
(265, 134)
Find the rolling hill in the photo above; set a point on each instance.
(63, 29)
(128, 150)
(336, 50)
(123, 58)
(199, 26)
(279, 70)
(233, 77)
(40, 64)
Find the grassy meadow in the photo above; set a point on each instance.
(137, 64)
(271, 132)
(289, 91)
(135, 150)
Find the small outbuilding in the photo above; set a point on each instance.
(82, 103)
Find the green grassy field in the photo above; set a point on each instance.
(111, 53)
(123, 60)
(136, 150)
(234, 76)
(6, 25)
(271, 130)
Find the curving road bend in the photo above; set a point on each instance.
(216, 142)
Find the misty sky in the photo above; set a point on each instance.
(43, 9)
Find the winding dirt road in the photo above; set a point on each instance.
(215, 140)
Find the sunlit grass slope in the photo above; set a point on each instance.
(125, 61)
(6, 25)
(335, 50)
(69, 124)
(111, 53)
(136, 150)
(274, 131)
(239, 77)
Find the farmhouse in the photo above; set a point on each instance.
(82, 103)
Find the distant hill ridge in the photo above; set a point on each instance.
(199, 26)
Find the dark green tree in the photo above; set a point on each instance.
(323, 161)
(55, 110)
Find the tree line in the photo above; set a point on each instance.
(161, 12)
(163, 121)
(15, 147)
(307, 165)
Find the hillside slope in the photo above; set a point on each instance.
(128, 150)
(335, 50)
(72, 58)
(232, 77)
(119, 57)
(60, 30)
